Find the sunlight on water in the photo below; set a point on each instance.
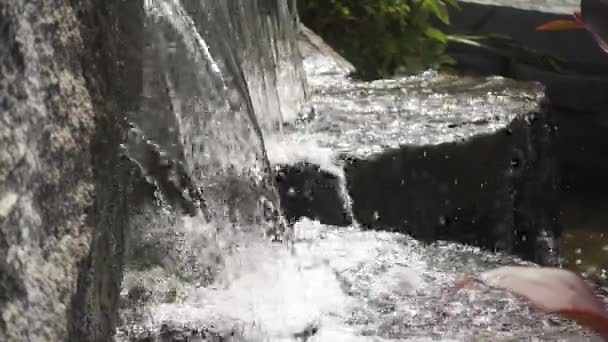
(272, 292)
(344, 284)
(293, 149)
(206, 105)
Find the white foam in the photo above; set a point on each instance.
(291, 150)
(272, 292)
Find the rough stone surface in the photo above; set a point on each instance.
(112, 67)
(73, 73)
(65, 82)
(441, 157)
(46, 176)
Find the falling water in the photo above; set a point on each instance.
(219, 78)
(198, 140)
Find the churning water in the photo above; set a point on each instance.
(212, 94)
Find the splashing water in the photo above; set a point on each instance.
(197, 124)
(290, 150)
(204, 109)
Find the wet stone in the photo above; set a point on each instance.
(439, 156)
(579, 83)
(306, 190)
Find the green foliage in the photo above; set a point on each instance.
(382, 37)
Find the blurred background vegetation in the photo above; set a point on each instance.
(382, 37)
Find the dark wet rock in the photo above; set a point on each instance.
(443, 157)
(112, 36)
(582, 150)
(308, 191)
(579, 87)
(482, 17)
(575, 89)
(577, 94)
(494, 190)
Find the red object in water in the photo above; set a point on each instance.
(593, 17)
(551, 290)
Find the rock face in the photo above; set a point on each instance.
(46, 179)
(79, 79)
(438, 156)
(112, 66)
(67, 76)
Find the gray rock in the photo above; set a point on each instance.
(76, 78)
(53, 201)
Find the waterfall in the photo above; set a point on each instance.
(217, 80)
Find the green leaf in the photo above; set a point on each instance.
(438, 8)
(463, 40)
(381, 37)
(436, 34)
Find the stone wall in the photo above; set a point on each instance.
(65, 81)
(47, 180)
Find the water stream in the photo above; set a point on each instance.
(213, 114)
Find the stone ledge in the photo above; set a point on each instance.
(410, 145)
(578, 98)
(568, 91)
